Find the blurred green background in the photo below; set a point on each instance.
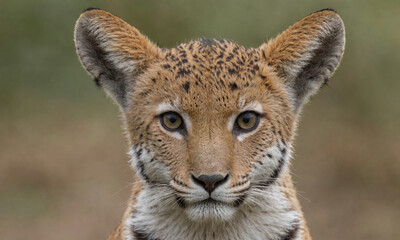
(63, 168)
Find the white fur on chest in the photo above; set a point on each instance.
(158, 215)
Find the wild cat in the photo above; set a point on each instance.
(210, 125)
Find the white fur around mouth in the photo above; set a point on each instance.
(210, 210)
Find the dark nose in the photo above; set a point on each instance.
(210, 182)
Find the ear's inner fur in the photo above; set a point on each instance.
(319, 68)
(113, 52)
(306, 55)
(105, 72)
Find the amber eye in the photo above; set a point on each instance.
(247, 121)
(171, 121)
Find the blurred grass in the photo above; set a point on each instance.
(63, 168)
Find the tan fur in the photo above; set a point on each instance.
(209, 81)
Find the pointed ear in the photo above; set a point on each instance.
(112, 51)
(306, 54)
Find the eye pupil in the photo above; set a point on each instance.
(246, 119)
(172, 118)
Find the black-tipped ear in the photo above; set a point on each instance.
(90, 8)
(112, 51)
(306, 55)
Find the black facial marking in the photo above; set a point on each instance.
(181, 202)
(140, 166)
(278, 170)
(166, 66)
(233, 86)
(239, 183)
(139, 153)
(241, 191)
(231, 71)
(292, 232)
(154, 206)
(180, 182)
(283, 151)
(186, 86)
(145, 93)
(265, 57)
(182, 72)
(141, 235)
(239, 201)
(275, 174)
(269, 87)
(191, 46)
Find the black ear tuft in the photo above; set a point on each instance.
(90, 9)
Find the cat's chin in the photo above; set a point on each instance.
(210, 210)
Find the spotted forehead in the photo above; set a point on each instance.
(209, 73)
(220, 57)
